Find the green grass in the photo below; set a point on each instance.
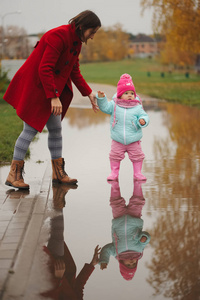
(174, 86)
(10, 127)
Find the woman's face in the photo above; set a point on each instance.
(89, 34)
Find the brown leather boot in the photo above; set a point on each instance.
(59, 175)
(15, 178)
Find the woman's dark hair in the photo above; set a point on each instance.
(85, 20)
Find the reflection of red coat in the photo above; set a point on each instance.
(46, 74)
(69, 287)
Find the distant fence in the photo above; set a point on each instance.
(11, 66)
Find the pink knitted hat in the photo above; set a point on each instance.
(125, 84)
(127, 273)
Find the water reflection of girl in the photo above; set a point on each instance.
(128, 239)
(65, 283)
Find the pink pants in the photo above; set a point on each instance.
(134, 151)
(134, 207)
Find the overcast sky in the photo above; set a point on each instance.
(42, 15)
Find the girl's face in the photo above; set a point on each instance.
(130, 263)
(89, 34)
(128, 95)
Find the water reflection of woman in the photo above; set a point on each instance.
(65, 283)
(128, 239)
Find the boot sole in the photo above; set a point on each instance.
(17, 187)
(137, 179)
(67, 183)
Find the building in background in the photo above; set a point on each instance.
(143, 46)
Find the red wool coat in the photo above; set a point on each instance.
(47, 73)
(70, 287)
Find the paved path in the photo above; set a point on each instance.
(21, 219)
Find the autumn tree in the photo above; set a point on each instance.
(111, 44)
(179, 22)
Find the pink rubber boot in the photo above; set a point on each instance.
(114, 170)
(137, 167)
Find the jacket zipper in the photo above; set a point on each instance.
(124, 127)
(126, 232)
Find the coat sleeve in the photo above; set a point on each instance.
(54, 44)
(105, 105)
(79, 81)
(148, 238)
(82, 278)
(54, 47)
(143, 115)
(106, 252)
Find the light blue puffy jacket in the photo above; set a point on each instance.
(128, 231)
(127, 128)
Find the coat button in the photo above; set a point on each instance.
(75, 43)
(75, 52)
(56, 91)
(57, 72)
(66, 62)
(71, 50)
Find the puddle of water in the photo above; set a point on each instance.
(168, 268)
(170, 214)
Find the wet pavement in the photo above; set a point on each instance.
(36, 227)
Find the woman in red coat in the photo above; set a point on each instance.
(41, 92)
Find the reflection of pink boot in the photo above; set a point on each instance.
(115, 190)
(114, 170)
(137, 167)
(137, 192)
(137, 201)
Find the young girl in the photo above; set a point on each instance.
(41, 92)
(127, 120)
(128, 238)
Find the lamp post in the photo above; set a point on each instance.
(2, 29)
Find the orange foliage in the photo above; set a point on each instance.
(111, 44)
(179, 22)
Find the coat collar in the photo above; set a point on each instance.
(76, 39)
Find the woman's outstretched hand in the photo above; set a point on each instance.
(93, 101)
(95, 258)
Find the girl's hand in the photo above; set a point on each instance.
(143, 239)
(142, 121)
(95, 258)
(103, 266)
(93, 102)
(101, 94)
(56, 106)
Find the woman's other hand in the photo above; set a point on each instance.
(56, 106)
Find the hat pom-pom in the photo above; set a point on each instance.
(126, 76)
